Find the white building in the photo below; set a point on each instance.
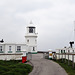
(63, 53)
(65, 50)
(31, 38)
(9, 51)
(11, 47)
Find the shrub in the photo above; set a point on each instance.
(4, 68)
(13, 67)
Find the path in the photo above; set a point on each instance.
(45, 67)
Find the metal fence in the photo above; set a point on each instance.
(29, 56)
(46, 55)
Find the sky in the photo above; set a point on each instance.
(54, 20)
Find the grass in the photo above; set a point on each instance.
(14, 67)
(68, 68)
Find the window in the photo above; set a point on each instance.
(61, 51)
(68, 51)
(0, 48)
(9, 48)
(27, 40)
(64, 51)
(33, 48)
(30, 30)
(18, 48)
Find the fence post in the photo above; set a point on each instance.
(59, 54)
(62, 57)
(55, 56)
(65, 57)
(68, 58)
(72, 60)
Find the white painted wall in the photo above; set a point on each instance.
(32, 37)
(12, 48)
(66, 50)
(5, 47)
(14, 55)
(11, 56)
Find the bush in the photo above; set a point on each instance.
(4, 68)
(69, 69)
(13, 67)
(17, 71)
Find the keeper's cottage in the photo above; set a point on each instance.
(9, 51)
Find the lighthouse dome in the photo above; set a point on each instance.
(31, 24)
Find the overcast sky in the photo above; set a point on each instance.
(54, 20)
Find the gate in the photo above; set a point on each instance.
(29, 56)
(46, 55)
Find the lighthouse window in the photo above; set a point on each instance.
(30, 30)
(9, 48)
(0, 48)
(27, 40)
(33, 48)
(18, 48)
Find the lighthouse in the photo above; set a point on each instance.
(31, 38)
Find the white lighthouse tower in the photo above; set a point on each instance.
(31, 38)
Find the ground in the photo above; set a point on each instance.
(45, 67)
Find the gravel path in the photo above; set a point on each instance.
(45, 67)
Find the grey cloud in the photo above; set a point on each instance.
(53, 18)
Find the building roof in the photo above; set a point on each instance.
(12, 44)
(31, 24)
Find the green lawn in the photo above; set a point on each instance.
(14, 67)
(68, 69)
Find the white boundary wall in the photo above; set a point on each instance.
(70, 57)
(11, 56)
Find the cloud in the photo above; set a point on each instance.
(53, 19)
